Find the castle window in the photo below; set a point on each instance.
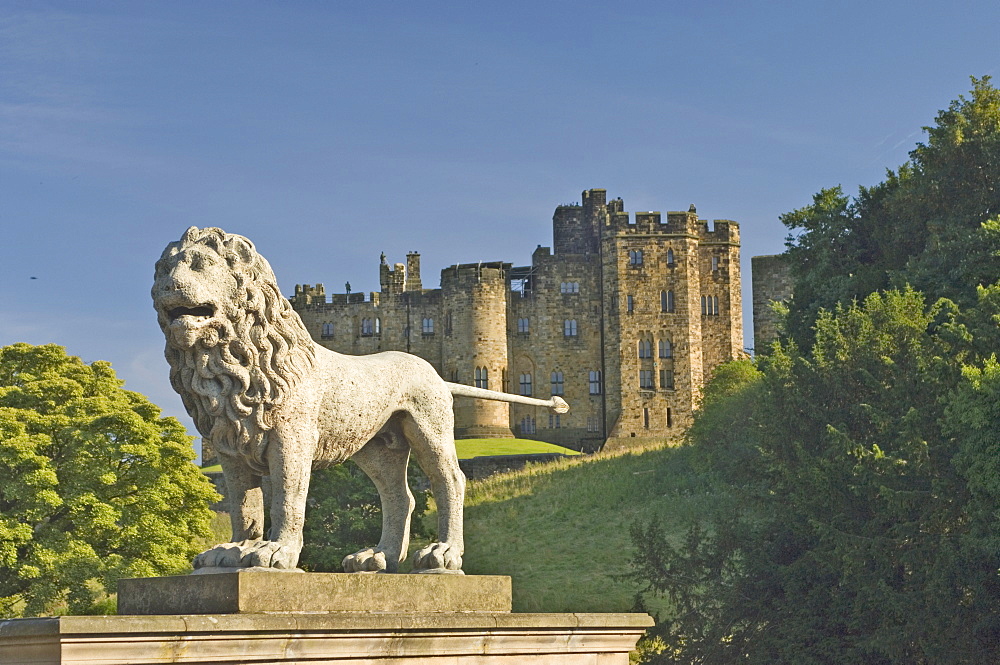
(715, 263)
(646, 379)
(635, 257)
(569, 328)
(366, 327)
(526, 385)
(482, 378)
(523, 326)
(593, 424)
(667, 301)
(503, 381)
(327, 330)
(557, 383)
(527, 425)
(569, 287)
(670, 258)
(427, 326)
(554, 422)
(378, 326)
(645, 348)
(666, 349)
(667, 379)
(670, 419)
(710, 305)
(447, 324)
(645, 418)
(595, 382)
(629, 303)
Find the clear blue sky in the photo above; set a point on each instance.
(329, 132)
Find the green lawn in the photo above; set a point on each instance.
(469, 448)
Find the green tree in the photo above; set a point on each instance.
(931, 224)
(96, 485)
(344, 515)
(860, 524)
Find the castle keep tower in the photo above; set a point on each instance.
(624, 317)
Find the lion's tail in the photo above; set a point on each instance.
(557, 404)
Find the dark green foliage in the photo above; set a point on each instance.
(344, 515)
(860, 525)
(96, 485)
(923, 226)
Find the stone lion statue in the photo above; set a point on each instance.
(274, 403)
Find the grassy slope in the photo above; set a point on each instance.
(561, 530)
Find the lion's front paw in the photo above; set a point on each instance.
(249, 554)
(365, 561)
(438, 557)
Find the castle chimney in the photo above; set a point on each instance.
(413, 272)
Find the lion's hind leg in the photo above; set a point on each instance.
(431, 437)
(386, 464)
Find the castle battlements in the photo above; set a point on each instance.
(624, 315)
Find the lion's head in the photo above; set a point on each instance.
(234, 344)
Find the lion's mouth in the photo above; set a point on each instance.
(200, 313)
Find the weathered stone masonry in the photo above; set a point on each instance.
(625, 318)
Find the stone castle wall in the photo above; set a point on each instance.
(625, 319)
(772, 283)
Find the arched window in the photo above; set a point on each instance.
(366, 327)
(427, 326)
(635, 257)
(525, 385)
(569, 328)
(670, 302)
(327, 330)
(378, 326)
(558, 384)
(666, 350)
(523, 326)
(482, 378)
(670, 258)
(645, 348)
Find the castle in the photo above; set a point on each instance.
(625, 317)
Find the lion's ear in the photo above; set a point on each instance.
(243, 250)
(190, 235)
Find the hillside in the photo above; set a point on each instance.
(561, 530)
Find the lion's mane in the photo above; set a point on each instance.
(235, 378)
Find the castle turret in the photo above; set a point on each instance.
(576, 229)
(475, 347)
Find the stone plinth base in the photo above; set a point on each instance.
(359, 638)
(269, 591)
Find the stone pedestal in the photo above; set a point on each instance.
(239, 628)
